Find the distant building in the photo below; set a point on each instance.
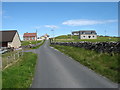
(89, 34)
(46, 36)
(10, 39)
(29, 36)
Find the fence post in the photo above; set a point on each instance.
(18, 55)
(7, 60)
(14, 56)
(22, 53)
(11, 60)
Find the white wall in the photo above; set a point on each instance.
(16, 43)
(86, 36)
(75, 33)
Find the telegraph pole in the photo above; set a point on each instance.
(53, 32)
(105, 32)
(71, 34)
(36, 36)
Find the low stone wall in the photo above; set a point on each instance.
(109, 47)
(31, 45)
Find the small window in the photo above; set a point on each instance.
(84, 36)
(93, 36)
(89, 36)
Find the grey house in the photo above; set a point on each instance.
(85, 34)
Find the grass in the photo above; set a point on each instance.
(102, 63)
(24, 43)
(65, 38)
(32, 42)
(38, 45)
(20, 74)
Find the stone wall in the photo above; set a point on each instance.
(109, 47)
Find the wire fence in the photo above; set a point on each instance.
(10, 58)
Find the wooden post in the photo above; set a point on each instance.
(18, 55)
(79, 35)
(14, 56)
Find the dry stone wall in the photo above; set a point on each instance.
(109, 47)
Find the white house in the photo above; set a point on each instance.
(10, 39)
(46, 36)
(89, 34)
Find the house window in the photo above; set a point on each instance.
(89, 36)
(84, 36)
(93, 36)
(33, 38)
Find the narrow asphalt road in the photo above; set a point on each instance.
(56, 70)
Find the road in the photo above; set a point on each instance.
(56, 70)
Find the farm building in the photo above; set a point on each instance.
(29, 36)
(10, 39)
(89, 34)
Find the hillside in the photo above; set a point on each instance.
(66, 38)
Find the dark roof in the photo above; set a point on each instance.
(84, 31)
(7, 36)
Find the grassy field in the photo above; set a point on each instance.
(20, 74)
(24, 43)
(101, 63)
(65, 38)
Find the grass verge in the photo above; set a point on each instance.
(29, 42)
(101, 63)
(20, 74)
(38, 45)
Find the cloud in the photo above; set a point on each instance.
(81, 22)
(37, 27)
(51, 26)
(3, 13)
(7, 17)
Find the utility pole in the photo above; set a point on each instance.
(71, 34)
(105, 29)
(36, 36)
(105, 32)
(53, 32)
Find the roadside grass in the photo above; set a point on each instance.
(28, 42)
(20, 74)
(102, 63)
(24, 43)
(38, 45)
(65, 38)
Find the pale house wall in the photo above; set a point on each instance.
(16, 43)
(75, 33)
(9, 44)
(88, 36)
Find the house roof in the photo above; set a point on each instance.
(84, 31)
(29, 35)
(7, 36)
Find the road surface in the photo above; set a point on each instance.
(56, 70)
